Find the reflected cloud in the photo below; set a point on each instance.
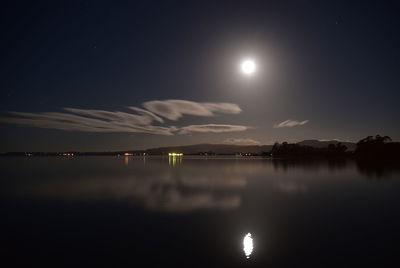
(292, 187)
(169, 192)
(197, 184)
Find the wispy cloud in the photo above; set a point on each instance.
(174, 109)
(95, 123)
(214, 128)
(241, 141)
(147, 120)
(338, 140)
(291, 123)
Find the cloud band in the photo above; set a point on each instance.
(141, 121)
(291, 123)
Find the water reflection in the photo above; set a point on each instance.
(307, 211)
(310, 164)
(292, 187)
(174, 159)
(196, 184)
(378, 169)
(169, 190)
(248, 245)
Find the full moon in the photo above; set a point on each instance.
(248, 66)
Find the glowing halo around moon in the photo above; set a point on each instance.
(248, 66)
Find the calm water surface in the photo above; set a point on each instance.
(220, 212)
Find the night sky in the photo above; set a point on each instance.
(114, 75)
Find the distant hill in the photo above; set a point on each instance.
(211, 148)
(234, 149)
(351, 146)
(227, 149)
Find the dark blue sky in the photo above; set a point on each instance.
(331, 67)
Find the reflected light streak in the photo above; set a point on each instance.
(174, 158)
(248, 245)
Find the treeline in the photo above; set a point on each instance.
(378, 147)
(294, 149)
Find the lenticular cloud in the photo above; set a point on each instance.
(291, 123)
(174, 109)
(150, 119)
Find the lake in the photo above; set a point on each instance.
(198, 212)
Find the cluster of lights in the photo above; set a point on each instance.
(175, 154)
(68, 154)
(132, 154)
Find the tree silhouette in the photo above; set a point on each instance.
(376, 147)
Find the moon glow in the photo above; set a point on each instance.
(248, 66)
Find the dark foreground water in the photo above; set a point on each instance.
(135, 212)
